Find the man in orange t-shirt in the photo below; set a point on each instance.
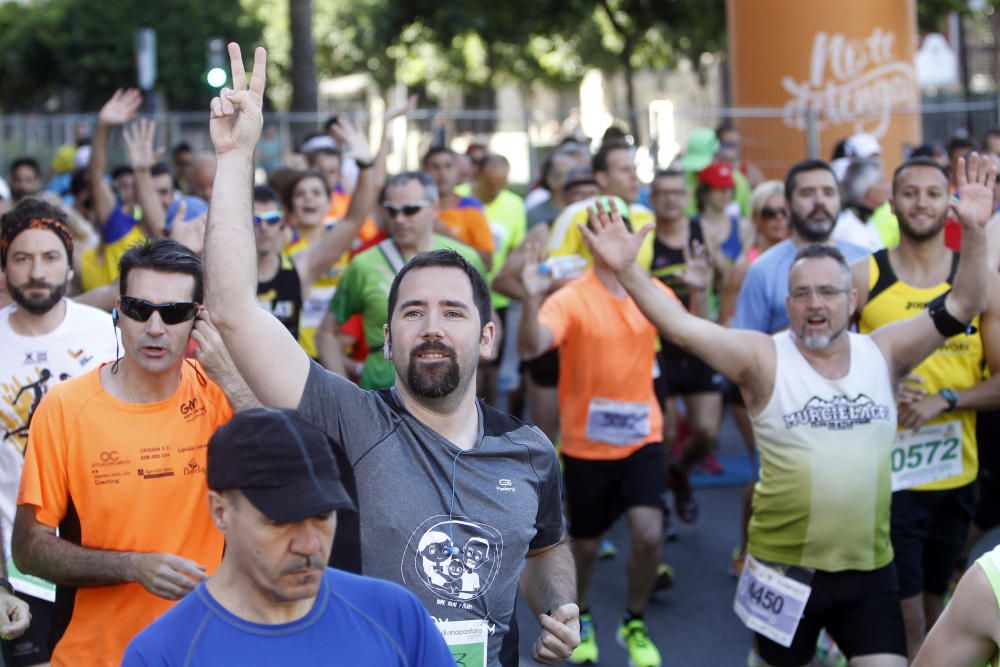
(461, 218)
(116, 462)
(611, 427)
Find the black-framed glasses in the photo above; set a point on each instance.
(269, 217)
(406, 209)
(141, 310)
(769, 213)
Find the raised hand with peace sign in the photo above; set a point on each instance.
(237, 113)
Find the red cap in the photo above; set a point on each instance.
(717, 175)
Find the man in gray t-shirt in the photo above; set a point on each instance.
(456, 501)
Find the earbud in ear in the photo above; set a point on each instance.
(114, 315)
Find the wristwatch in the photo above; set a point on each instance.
(951, 397)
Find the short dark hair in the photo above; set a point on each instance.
(159, 169)
(26, 161)
(263, 193)
(288, 194)
(446, 258)
(123, 170)
(165, 256)
(960, 144)
(432, 151)
(919, 161)
(78, 182)
(600, 159)
(181, 147)
(670, 173)
(27, 209)
(799, 167)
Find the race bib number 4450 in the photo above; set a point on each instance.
(770, 603)
(928, 454)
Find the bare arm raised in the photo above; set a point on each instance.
(906, 343)
(745, 357)
(121, 108)
(142, 155)
(266, 355)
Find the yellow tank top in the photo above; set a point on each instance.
(958, 364)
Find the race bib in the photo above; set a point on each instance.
(928, 454)
(617, 422)
(466, 640)
(769, 602)
(315, 305)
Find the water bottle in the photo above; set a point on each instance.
(564, 266)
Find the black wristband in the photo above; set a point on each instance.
(946, 323)
(364, 164)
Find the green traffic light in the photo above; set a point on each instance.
(216, 77)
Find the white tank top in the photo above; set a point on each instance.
(825, 446)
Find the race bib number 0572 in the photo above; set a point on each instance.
(928, 454)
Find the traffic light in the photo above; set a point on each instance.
(215, 61)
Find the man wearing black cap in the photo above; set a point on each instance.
(274, 489)
(456, 501)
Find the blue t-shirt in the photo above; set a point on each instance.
(761, 304)
(355, 621)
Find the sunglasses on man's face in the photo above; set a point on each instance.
(270, 217)
(141, 310)
(406, 209)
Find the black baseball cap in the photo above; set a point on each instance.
(281, 462)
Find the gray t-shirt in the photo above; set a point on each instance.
(452, 526)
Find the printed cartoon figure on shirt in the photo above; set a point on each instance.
(457, 559)
(24, 399)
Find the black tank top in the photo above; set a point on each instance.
(668, 265)
(282, 295)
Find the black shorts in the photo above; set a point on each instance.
(32, 647)
(929, 529)
(544, 370)
(987, 513)
(731, 394)
(683, 374)
(860, 611)
(598, 492)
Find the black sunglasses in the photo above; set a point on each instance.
(769, 213)
(141, 310)
(406, 209)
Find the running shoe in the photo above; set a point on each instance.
(634, 638)
(608, 550)
(664, 577)
(685, 506)
(670, 533)
(827, 652)
(586, 651)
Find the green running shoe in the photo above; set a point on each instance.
(634, 638)
(586, 652)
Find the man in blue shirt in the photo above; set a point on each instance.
(814, 205)
(274, 487)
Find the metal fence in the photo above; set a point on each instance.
(525, 138)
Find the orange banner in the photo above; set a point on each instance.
(851, 62)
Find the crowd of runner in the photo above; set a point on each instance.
(251, 417)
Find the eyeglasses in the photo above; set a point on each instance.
(141, 310)
(769, 213)
(825, 292)
(406, 209)
(669, 193)
(270, 217)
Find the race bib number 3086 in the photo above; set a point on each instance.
(928, 454)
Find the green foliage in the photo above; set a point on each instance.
(81, 50)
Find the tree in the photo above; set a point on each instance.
(76, 52)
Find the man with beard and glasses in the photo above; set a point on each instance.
(823, 407)
(456, 501)
(116, 464)
(46, 338)
(275, 491)
(935, 460)
(813, 203)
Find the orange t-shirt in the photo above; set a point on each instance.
(468, 222)
(607, 407)
(123, 477)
